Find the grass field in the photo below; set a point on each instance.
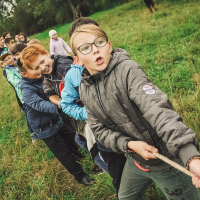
(166, 44)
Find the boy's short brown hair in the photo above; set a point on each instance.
(86, 28)
(20, 66)
(34, 41)
(81, 21)
(7, 40)
(4, 34)
(30, 54)
(18, 48)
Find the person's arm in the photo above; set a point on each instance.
(52, 50)
(66, 46)
(70, 95)
(55, 99)
(194, 168)
(158, 111)
(48, 89)
(15, 82)
(118, 141)
(36, 102)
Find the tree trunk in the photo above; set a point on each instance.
(76, 10)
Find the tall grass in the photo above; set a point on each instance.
(166, 44)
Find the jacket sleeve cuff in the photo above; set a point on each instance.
(122, 142)
(188, 151)
(85, 117)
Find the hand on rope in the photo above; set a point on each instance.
(150, 152)
(143, 149)
(194, 167)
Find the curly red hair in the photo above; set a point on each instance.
(30, 54)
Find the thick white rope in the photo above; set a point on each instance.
(173, 164)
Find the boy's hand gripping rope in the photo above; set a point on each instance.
(173, 164)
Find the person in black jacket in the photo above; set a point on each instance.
(53, 69)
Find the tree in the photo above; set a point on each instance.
(76, 10)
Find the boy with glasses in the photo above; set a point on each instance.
(72, 106)
(129, 114)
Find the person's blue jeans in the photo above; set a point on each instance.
(97, 158)
(34, 136)
(81, 143)
(101, 163)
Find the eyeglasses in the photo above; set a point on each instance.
(98, 42)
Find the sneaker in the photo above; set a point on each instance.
(97, 170)
(34, 140)
(87, 181)
(33, 137)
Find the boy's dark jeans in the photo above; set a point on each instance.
(68, 121)
(62, 145)
(115, 164)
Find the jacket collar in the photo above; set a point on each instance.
(10, 67)
(52, 40)
(77, 66)
(32, 81)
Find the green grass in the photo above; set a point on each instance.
(165, 44)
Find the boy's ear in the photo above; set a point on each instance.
(78, 61)
(110, 46)
(24, 74)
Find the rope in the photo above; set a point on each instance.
(173, 164)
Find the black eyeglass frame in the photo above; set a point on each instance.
(94, 44)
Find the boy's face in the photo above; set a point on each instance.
(95, 61)
(16, 38)
(8, 36)
(18, 55)
(21, 38)
(9, 60)
(11, 43)
(33, 73)
(45, 63)
(2, 41)
(55, 36)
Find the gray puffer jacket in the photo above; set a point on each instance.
(123, 104)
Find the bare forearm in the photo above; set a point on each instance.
(55, 99)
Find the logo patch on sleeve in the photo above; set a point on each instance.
(148, 89)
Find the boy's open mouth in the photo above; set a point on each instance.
(99, 60)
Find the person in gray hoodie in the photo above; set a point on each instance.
(129, 114)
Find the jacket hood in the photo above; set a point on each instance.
(57, 61)
(118, 55)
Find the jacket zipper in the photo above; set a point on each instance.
(100, 101)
